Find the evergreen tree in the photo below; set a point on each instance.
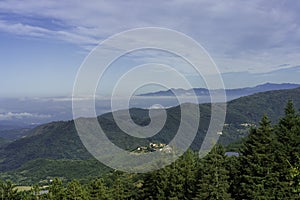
(56, 190)
(258, 178)
(174, 188)
(24, 195)
(176, 181)
(8, 190)
(295, 176)
(287, 133)
(154, 185)
(232, 163)
(287, 151)
(118, 190)
(123, 187)
(213, 182)
(75, 191)
(97, 190)
(35, 191)
(188, 165)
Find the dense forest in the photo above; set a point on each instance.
(267, 168)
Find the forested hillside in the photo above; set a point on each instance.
(58, 141)
(267, 168)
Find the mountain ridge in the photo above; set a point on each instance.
(236, 91)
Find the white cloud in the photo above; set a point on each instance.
(240, 35)
(21, 115)
(23, 29)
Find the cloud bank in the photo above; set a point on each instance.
(21, 115)
(254, 36)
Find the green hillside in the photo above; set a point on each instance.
(59, 140)
(251, 108)
(43, 170)
(55, 140)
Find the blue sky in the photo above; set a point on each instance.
(43, 43)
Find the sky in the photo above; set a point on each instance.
(44, 43)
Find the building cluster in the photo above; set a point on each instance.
(154, 147)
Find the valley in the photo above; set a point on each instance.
(55, 150)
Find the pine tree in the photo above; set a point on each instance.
(97, 190)
(213, 182)
(35, 191)
(75, 191)
(287, 151)
(187, 170)
(154, 185)
(295, 176)
(123, 186)
(232, 163)
(258, 180)
(8, 190)
(287, 132)
(56, 190)
(174, 188)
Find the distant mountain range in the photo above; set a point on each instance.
(23, 113)
(238, 92)
(58, 144)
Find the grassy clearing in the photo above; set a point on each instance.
(23, 188)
